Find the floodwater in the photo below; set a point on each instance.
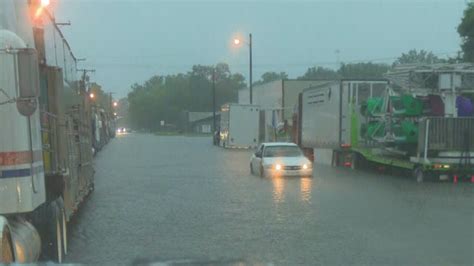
(165, 199)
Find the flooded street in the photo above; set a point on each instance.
(180, 198)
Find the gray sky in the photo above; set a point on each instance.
(128, 41)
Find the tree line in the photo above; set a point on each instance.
(164, 98)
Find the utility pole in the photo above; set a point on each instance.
(214, 99)
(250, 74)
(84, 75)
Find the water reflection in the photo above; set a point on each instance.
(279, 183)
(305, 189)
(278, 189)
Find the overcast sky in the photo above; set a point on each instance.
(128, 41)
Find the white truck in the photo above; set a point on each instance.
(45, 138)
(239, 126)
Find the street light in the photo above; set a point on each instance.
(91, 95)
(237, 41)
(115, 104)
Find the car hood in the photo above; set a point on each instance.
(292, 161)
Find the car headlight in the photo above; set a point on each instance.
(305, 166)
(278, 167)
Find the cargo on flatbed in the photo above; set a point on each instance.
(419, 119)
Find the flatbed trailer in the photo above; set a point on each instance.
(330, 122)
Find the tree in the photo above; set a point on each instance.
(466, 31)
(418, 57)
(320, 73)
(165, 97)
(363, 70)
(271, 76)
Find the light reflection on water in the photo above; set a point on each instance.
(279, 183)
(278, 189)
(305, 189)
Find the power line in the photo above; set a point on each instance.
(128, 65)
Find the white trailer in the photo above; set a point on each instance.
(239, 126)
(278, 101)
(45, 138)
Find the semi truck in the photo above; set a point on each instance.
(411, 121)
(45, 138)
(239, 126)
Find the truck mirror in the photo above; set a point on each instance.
(28, 81)
(28, 73)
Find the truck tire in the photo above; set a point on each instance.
(418, 174)
(6, 256)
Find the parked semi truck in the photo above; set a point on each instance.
(420, 119)
(239, 126)
(45, 138)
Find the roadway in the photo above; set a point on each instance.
(161, 199)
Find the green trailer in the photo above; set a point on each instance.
(368, 123)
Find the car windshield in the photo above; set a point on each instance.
(282, 151)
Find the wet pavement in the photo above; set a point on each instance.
(180, 198)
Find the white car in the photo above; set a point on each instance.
(280, 159)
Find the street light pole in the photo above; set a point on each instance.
(214, 99)
(250, 70)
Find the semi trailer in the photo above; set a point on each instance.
(412, 120)
(45, 138)
(239, 126)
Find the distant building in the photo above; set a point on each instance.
(198, 122)
(204, 125)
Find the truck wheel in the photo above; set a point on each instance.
(418, 174)
(6, 249)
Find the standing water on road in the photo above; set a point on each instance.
(178, 198)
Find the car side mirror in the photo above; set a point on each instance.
(258, 154)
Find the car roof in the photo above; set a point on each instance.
(269, 144)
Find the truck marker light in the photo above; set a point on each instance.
(347, 164)
(455, 179)
(472, 179)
